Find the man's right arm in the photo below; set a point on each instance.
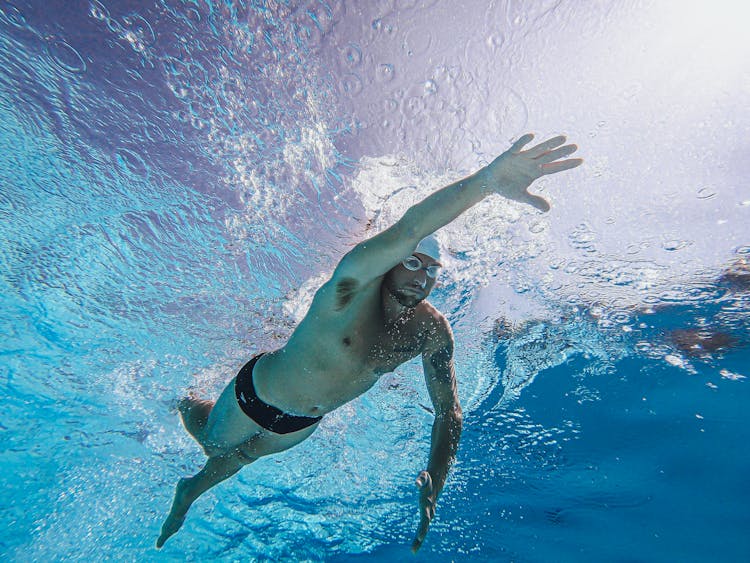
(509, 175)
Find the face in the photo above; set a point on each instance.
(408, 287)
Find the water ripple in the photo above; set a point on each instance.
(65, 56)
(10, 14)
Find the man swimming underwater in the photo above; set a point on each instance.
(368, 319)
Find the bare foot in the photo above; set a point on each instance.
(194, 414)
(176, 516)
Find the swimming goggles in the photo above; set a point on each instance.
(413, 263)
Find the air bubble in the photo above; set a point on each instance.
(413, 106)
(141, 28)
(99, 11)
(519, 20)
(351, 85)
(726, 374)
(673, 245)
(193, 16)
(351, 55)
(390, 105)
(114, 26)
(131, 162)
(430, 87)
(495, 41)
(65, 56)
(513, 113)
(385, 72)
(620, 317)
(179, 90)
(379, 25)
(675, 361)
(321, 15)
(417, 41)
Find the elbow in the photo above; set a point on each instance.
(408, 225)
(455, 408)
(458, 417)
(457, 413)
(453, 415)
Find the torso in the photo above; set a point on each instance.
(339, 350)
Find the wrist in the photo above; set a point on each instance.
(483, 181)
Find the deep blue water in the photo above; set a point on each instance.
(177, 178)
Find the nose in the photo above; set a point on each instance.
(420, 278)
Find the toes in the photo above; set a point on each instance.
(170, 528)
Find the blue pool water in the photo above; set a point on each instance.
(177, 178)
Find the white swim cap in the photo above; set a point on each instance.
(429, 246)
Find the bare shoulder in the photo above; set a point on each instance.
(438, 333)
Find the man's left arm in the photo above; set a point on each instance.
(437, 361)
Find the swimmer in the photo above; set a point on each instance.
(701, 342)
(737, 277)
(370, 317)
(707, 340)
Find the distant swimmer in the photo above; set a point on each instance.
(715, 337)
(737, 277)
(370, 317)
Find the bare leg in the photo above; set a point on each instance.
(216, 470)
(231, 440)
(194, 414)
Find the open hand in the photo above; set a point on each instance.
(511, 173)
(426, 508)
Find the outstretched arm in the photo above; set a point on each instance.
(509, 175)
(437, 360)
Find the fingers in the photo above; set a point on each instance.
(549, 156)
(520, 143)
(416, 544)
(555, 167)
(426, 508)
(547, 145)
(539, 202)
(424, 525)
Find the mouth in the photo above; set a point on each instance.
(413, 291)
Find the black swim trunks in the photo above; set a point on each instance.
(267, 416)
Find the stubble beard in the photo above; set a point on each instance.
(405, 299)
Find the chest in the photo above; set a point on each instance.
(382, 346)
